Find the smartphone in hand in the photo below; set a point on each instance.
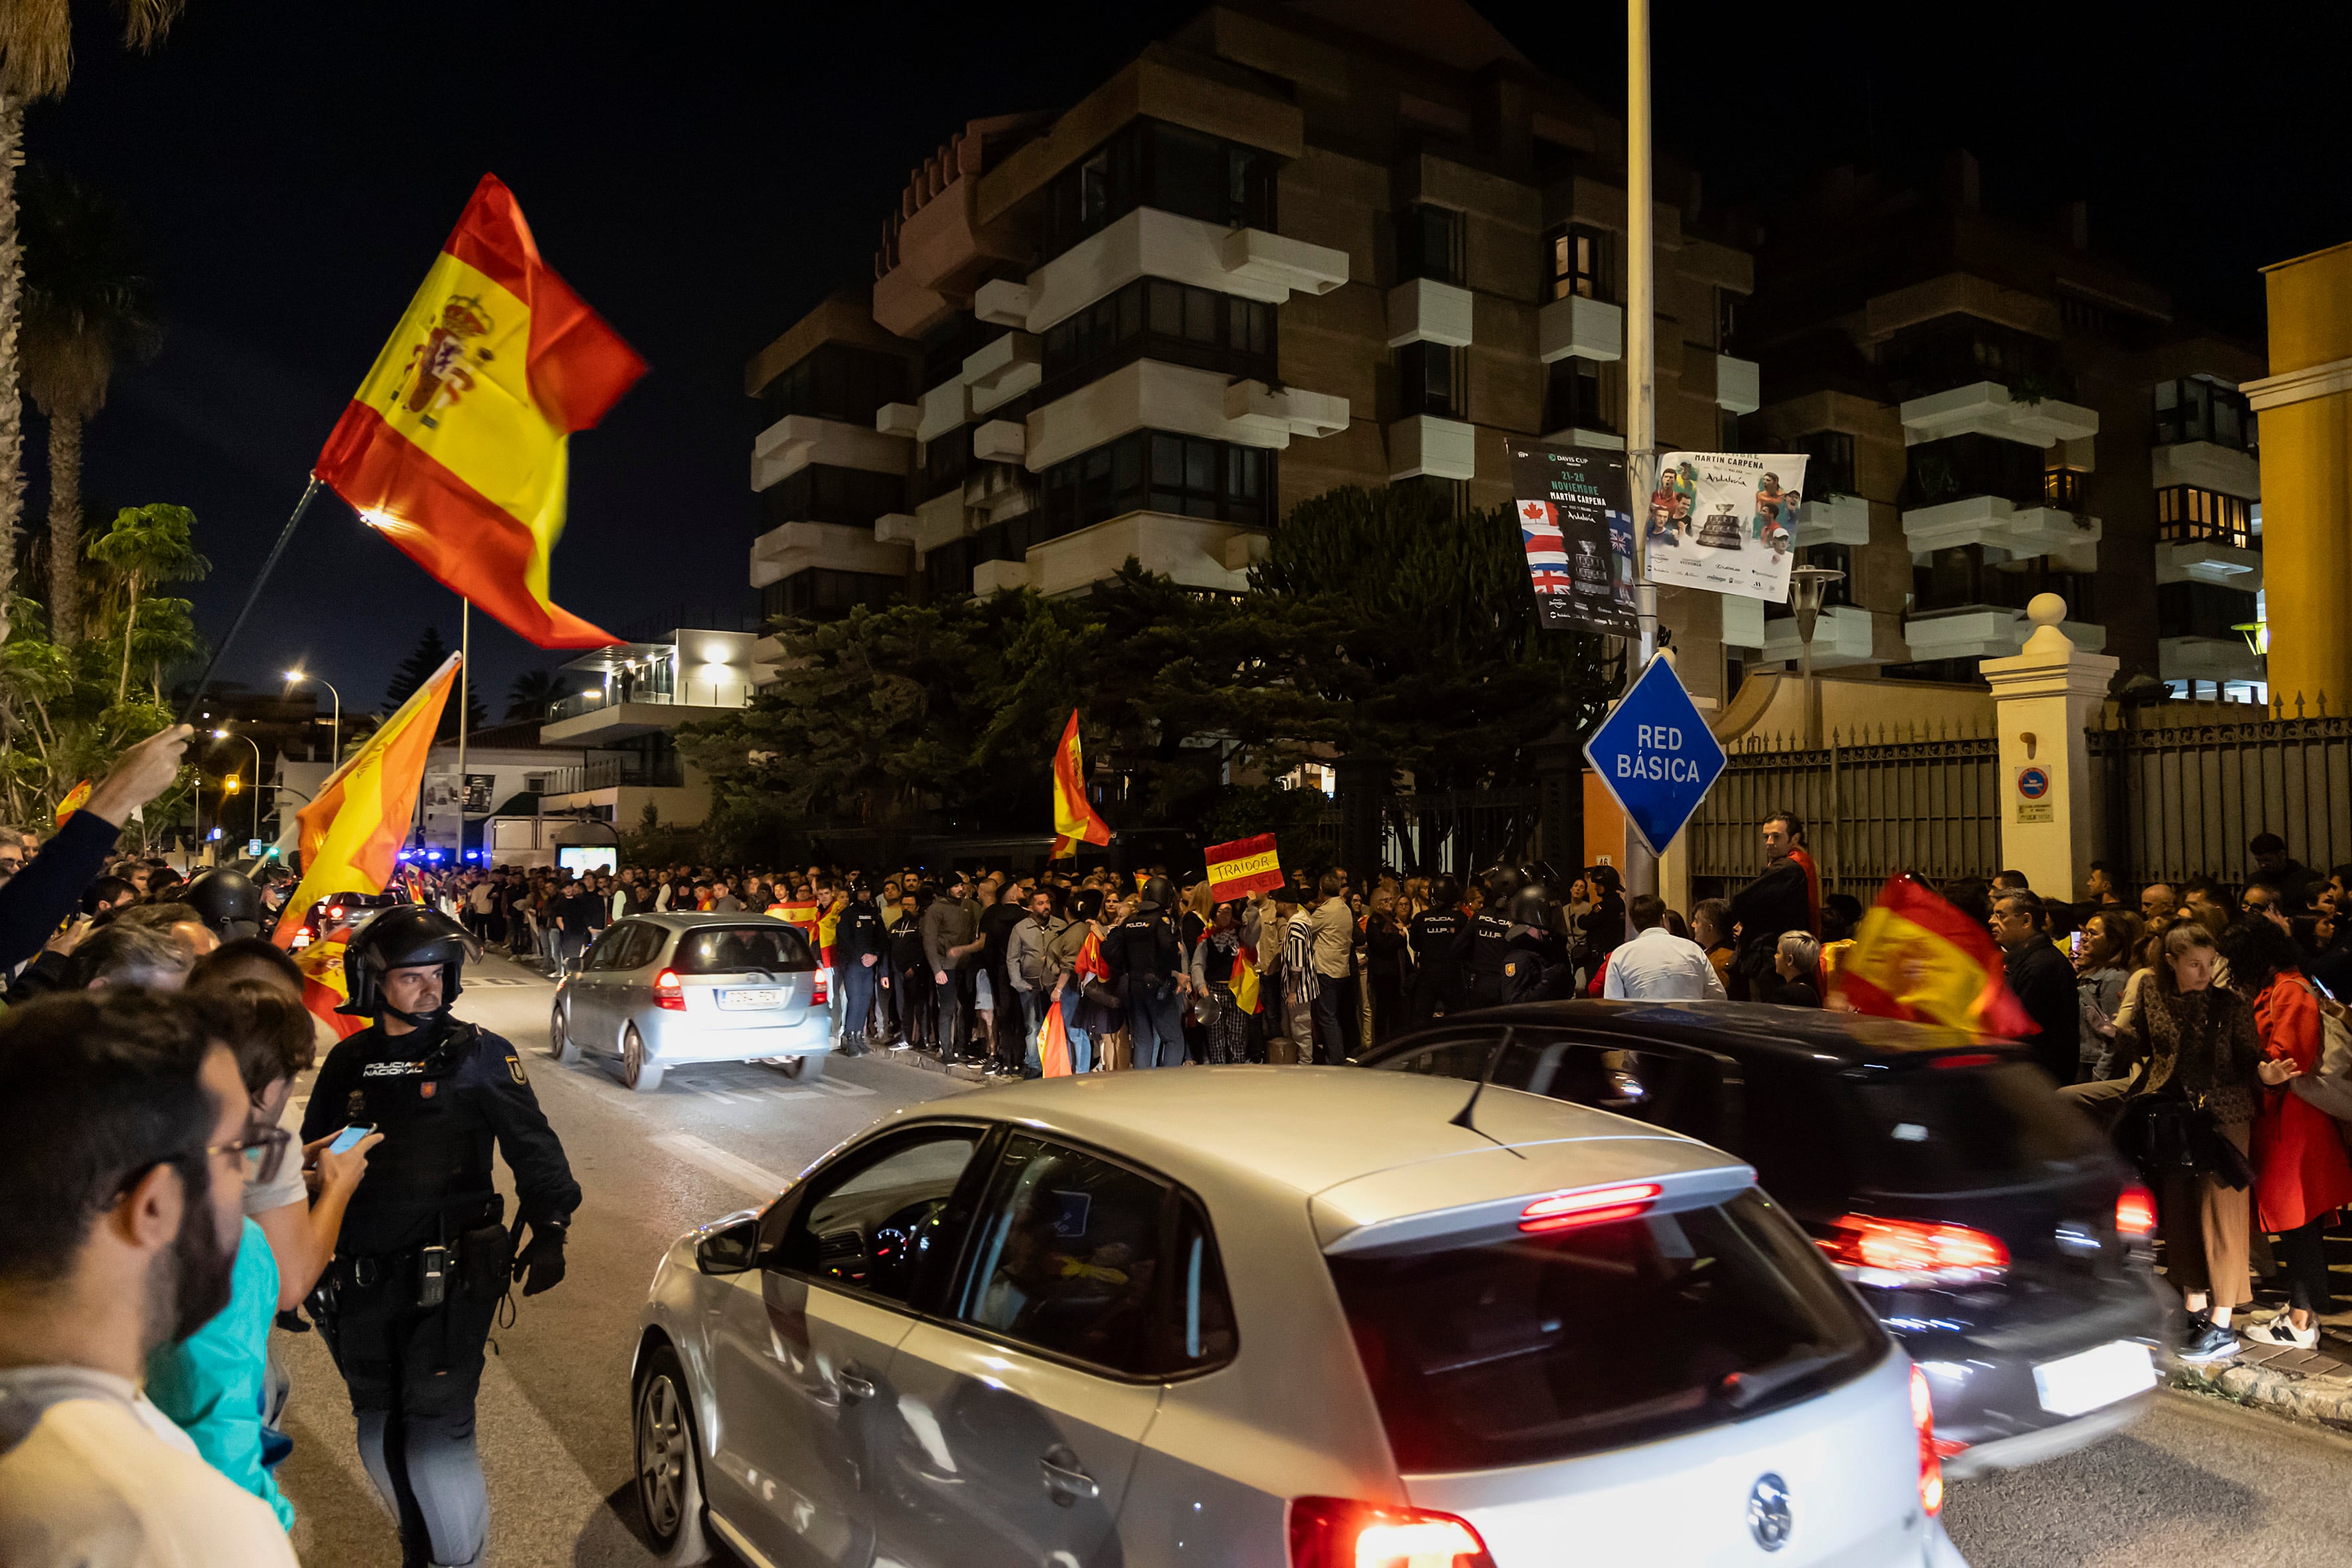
(348, 1140)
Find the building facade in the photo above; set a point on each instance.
(1993, 411)
(2306, 402)
(1287, 249)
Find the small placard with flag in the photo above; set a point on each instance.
(1243, 866)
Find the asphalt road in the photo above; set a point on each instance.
(2194, 1481)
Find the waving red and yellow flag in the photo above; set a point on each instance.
(1914, 956)
(455, 445)
(1076, 820)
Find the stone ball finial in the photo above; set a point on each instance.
(2046, 610)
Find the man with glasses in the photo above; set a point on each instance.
(125, 1136)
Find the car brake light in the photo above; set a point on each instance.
(1963, 1059)
(817, 992)
(1592, 1205)
(1931, 1467)
(2135, 1214)
(1913, 1252)
(668, 992)
(1332, 1532)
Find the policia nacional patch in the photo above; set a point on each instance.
(514, 1067)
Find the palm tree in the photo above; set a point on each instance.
(532, 690)
(87, 303)
(35, 62)
(149, 545)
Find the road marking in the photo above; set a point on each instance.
(735, 1170)
(846, 1090)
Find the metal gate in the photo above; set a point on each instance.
(2175, 801)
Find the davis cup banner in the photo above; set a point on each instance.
(1243, 866)
(1577, 523)
(1727, 522)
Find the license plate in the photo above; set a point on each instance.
(2079, 1382)
(747, 1001)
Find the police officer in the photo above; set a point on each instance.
(1147, 967)
(1535, 963)
(1440, 936)
(860, 946)
(1490, 939)
(225, 901)
(423, 1261)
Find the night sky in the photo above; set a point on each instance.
(703, 173)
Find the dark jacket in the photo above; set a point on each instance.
(948, 922)
(38, 898)
(1772, 904)
(1441, 943)
(1143, 948)
(861, 931)
(2044, 984)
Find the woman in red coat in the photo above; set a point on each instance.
(2301, 1175)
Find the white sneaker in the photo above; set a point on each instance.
(2281, 1331)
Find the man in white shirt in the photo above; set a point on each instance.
(123, 1148)
(1657, 965)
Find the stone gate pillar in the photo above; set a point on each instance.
(2042, 701)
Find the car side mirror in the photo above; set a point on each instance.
(731, 1249)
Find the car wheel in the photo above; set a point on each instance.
(670, 1464)
(638, 1071)
(559, 1039)
(801, 1069)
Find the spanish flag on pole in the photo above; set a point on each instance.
(1914, 956)
(352, 834)
(1076, 820)
(454, 446)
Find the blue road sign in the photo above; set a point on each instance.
(1656, 755)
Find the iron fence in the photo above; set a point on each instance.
(1922, 798)
(2172, 801)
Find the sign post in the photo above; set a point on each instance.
(1656, 754)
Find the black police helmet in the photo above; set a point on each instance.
(402, 937)
(1159, 893)
(1529, 906)
(225, 901)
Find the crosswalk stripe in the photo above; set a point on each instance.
(733, 1169)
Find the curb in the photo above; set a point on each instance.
(2307, 1386)
(929, 1061)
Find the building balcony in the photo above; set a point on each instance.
(1987, 407)
(1587, 329)
(2220, 556)
(1000, 441)
(1149, 394)
(798, 440)
(1998, 524)
(898, 419)
(1984, 631)
(940, 249)
(1743, 621)
(1439, 448)
(2208, 466)
(1739, 383)
(1424, 310)
(939, 520)
(2208, 659)
(1842, 637)
(944, 407)
(1839, 519)
(895, 528)
(1193, 553)
(1149, 243)
(1001, 370)
(797, 546)
(596, 717)
(1583, 435)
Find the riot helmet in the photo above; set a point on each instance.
(1159, 893)
(1530, 907)
(225, 901)
(403, 937)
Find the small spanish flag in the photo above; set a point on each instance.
(1914, 956)
(1076, 820)
(324, 992)
(1244, 980)
(455, 445)
(75, 798)
(1089, 964)
(828, 926)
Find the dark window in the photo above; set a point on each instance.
(820, 592)
(1429, 379)
(1152, 472)
(1829, 466)
(1959, 467)
(1958, 350)
(1077, 1255)
(2062, 488)
(730, 950)
(836, 382)
(949, 344)
(1446, 498)
(2192, 409)
(2185, 512)
(606, 953)
(1148, 163)
(947, 569)
(851, 497)
(648, 760)
(1429, 244)
(1152, 318)
(946, 461)
(1579, 265)
(1683, 1091)
(1960, 577)
(2202, 610)
(1942, 1129)
(1727, 427)
(871, 1222)
(1727, 321)
(1573, 398)
(1500, 1353)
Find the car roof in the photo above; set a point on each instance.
(688, 920)
(1740, 1029)
(1307, 1130)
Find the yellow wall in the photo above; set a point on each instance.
(2306, 456)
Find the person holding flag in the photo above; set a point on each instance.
(1224, 986)
(1076, 958)
(1076, 820)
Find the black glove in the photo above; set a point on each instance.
(543, 1260)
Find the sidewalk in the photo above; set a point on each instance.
(2310, 1385)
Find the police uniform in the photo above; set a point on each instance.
(861, 931)
(1144, 958)
(1490, 942)
(1440, 940)
(423, 1260)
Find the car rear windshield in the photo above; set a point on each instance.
(731, 950)
(1927, 1128)
(1542, 1347)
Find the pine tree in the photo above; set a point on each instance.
(428, 656)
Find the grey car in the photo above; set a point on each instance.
(1288, 1317)
(656, 990)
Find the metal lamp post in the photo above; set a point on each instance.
(295, 678)
(1806, 586)
(222, 734)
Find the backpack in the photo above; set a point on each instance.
(2330, 1089)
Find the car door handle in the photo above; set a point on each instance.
(855, 1386)
(1066, 1479)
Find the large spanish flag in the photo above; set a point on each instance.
(1914, 956)
(454, 447)
(1076, 820)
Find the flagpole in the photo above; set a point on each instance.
(269, 564)
(465, 690)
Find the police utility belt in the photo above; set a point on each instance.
(476, 1261)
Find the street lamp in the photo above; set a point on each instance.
(222, 734)
(295, 678)
(1806, 586)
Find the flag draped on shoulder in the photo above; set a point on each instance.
(1242, 982)
(455, 446)
(1917, 957)
(1076, 820)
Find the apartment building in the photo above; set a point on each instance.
(1288, 248)
(1994, 410)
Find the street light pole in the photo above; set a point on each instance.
(1640, 874)
(222, 734)
(1806, 586)
(295, 678)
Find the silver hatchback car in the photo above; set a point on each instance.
(659, 990)
(1288, 1317)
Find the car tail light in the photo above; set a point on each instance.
(1913, 1252)
(1931, 1467)
(817, 988)
(2135, 1214)
(668, 992)
(1591, 1205)
(1963, 1059)
(1332, 1532)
